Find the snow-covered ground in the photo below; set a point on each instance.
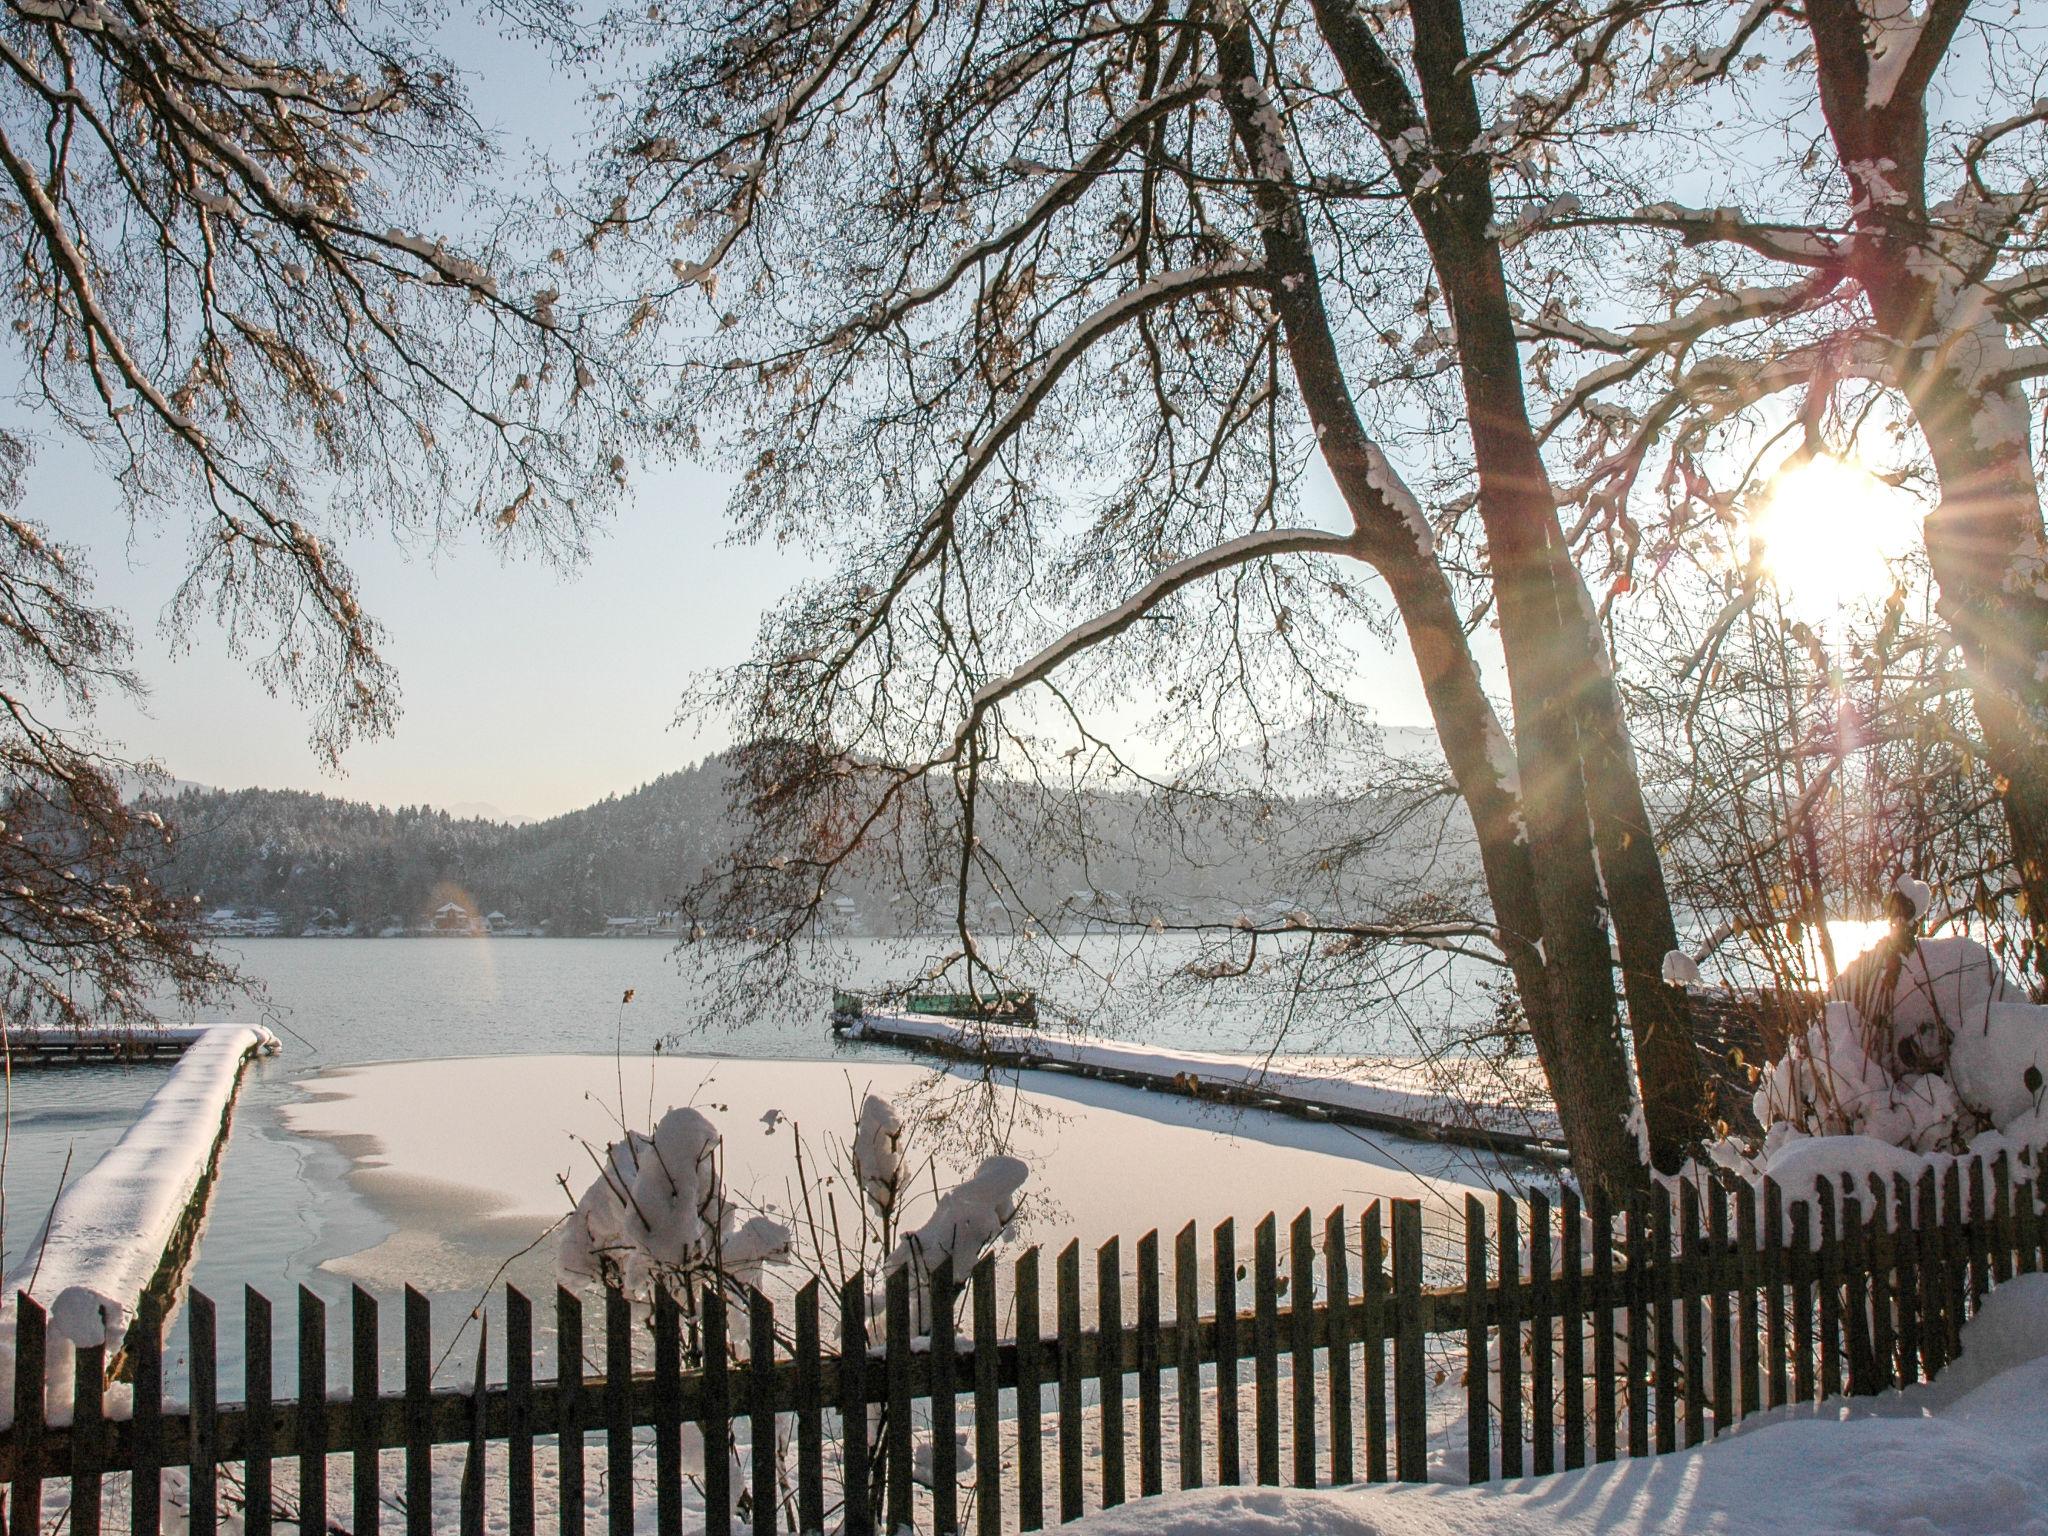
(1966, 1455)
(107, 1232)
(464, 1158)
(1448, 1090)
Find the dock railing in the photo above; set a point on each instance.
(1587, 1333)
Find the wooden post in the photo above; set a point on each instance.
(204, 1461)
(419, 1424)
(474, 1470)
(1301, 1332)
(1067, 1283)
(857, 1518)
(1109, 1372)
(1478, 1425)
(259, 1421)
(1228, 1470)
(668, 1410)
(763, 1493)
(1508, 1239)
(1691, 1278)
(1881, 1255)
(146, 1350)
(1801, 1265)
(31, 1350)
(363, 1388)
(1030, 1397)
(988, 1408)
(1955, 1263)
(618, 1410)
(1857, 1259)
(1663, 1277)
(1376, 1332)
(1747, 1320)
(897, 1439)
(1411, 1452)
(1187, 1331)
(519, 1513)
(1542, 1340)
(945, 1401)
(810, 1413)
(1720, 1322)
(1338, 1304)
(1828, 1280)
(569, 1421)
(716, 1423)
(1151, 1452)
(1266, 1349)
(312, 1411)
(1575, 1325)
(1978, 1215)
(1637, 1231)
(2001, 1219)
(1774, 1292)
(88, 1437)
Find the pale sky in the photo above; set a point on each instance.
(524, 690)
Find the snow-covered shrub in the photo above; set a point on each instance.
(878, 1147)
(966, 1222)
(1924, 1045)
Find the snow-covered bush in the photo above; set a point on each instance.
(1923, 1045)
(966, 1222)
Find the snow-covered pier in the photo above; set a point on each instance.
(1459, 1103)
(128, 1223)
(26, 1048)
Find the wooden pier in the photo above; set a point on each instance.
(1012, 1049)
(28, 1049)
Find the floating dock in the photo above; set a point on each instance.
(28, 1049)
(1391, 1097)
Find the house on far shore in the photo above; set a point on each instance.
(496, 922)
(454, 917)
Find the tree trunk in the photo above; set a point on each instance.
(1538, 863)
(1985, 538)
(1557, 658)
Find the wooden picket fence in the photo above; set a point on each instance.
(1587, 1333)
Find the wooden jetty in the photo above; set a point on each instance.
(1023, 1050)
(27, 1049)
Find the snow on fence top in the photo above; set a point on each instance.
(107, 1232)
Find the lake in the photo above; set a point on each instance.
(426, 1171)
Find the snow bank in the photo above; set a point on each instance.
(108, 1230)
(1966, 1455)
(1404, 1088)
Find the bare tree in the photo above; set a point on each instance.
(254, 267)
(1872, 261)
(1031, 323)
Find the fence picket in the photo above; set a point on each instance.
(810, 1413)
(312, 1412)
(1411, 1452)
(1109, 1375)
(1954, 1263)
(519, 1412)
(1374, 1335)
(419, 1450)
(1575, 1302)
(945, 1402)
(988, 1406)
(474, 1468)
(146, 1350)
(2027, 1219)
(88, 1430)
(1030, 1396)
(1187, 1330)
(1542, 1341)
(1636, 1228)
(1720, 1321)
(1228, 1469)
(1151, 1453)
(569, 1420)
(1800, 1265)
(1337, 1293)
(1827, 1281)
(1855, 1267)
(31, 1330)
(857, 1516)
(1266, 1350)
(896, 1438)
(668, 1412)
(1067, 1283)
(618, 1408)
(1508, 1238)
(1301, 1331)
(1746, 1317)
(1927, 1246)
(203, 1472)
(1690, 1277)
(1478, 1438)
(1978, 1216)
(258, 1435)
(366, 1503)
(762, 1493)
(715, 1425)
(2001, 1219)
(1880, 1254)
(1662, 1291)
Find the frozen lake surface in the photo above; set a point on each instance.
(368, 1153)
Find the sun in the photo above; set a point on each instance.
(1829, 530)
